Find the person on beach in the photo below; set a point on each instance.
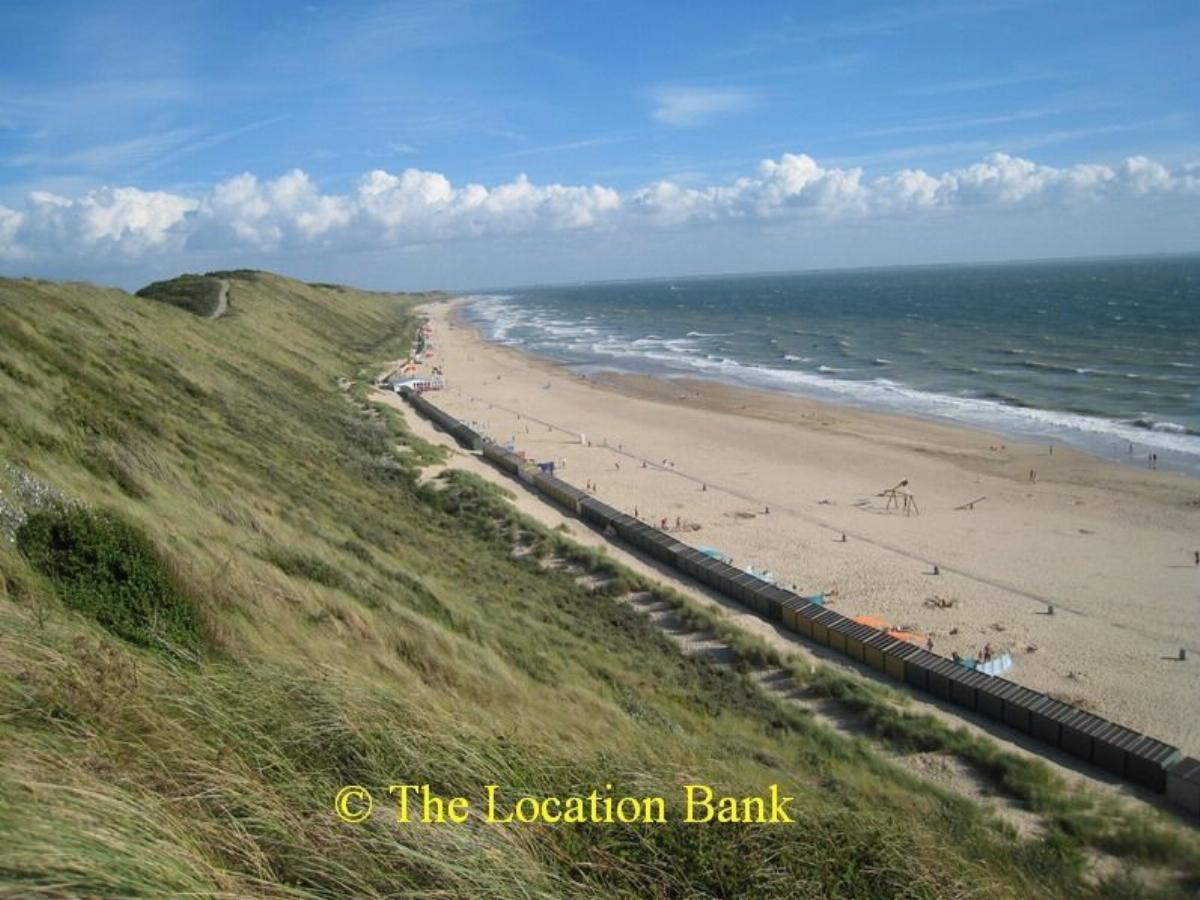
(1196, 556)
(929, 643)
(618, 467)
(1032, 475)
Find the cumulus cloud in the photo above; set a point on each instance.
(10, 224)
(1005, 181)
(414, 206)
(121, 221)
(791, 183)
(681, 105)
(385, 209)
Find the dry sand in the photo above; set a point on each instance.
(1110, 546)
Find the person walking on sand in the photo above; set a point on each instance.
(1196, 556)
(1032, 475)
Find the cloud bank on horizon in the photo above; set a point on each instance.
(416, 207)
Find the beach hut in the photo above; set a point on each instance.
(1183, 785)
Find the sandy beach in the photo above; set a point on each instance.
(1109, 546)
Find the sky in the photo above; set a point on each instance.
(480, 143)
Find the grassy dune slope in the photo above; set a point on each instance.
(354, 626)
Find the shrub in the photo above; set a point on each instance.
(107, 568)
(197, 294)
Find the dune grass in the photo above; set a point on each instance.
(354, 626)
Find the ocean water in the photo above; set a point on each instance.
(1099, 355)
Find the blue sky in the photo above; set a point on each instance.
(139, 139)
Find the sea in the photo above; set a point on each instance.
(1100, 355)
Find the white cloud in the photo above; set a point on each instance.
(418, 207)
(384, 209)
(10, 224)
(267, 214)
(123, 221)
(1009, 182)
(681, 105)
(791, 183)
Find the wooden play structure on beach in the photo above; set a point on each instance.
(900, 497)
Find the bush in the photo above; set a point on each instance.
(197, 294)
(107, 568)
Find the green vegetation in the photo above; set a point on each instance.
(108, 569)
(196, 293)
(350, 624)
